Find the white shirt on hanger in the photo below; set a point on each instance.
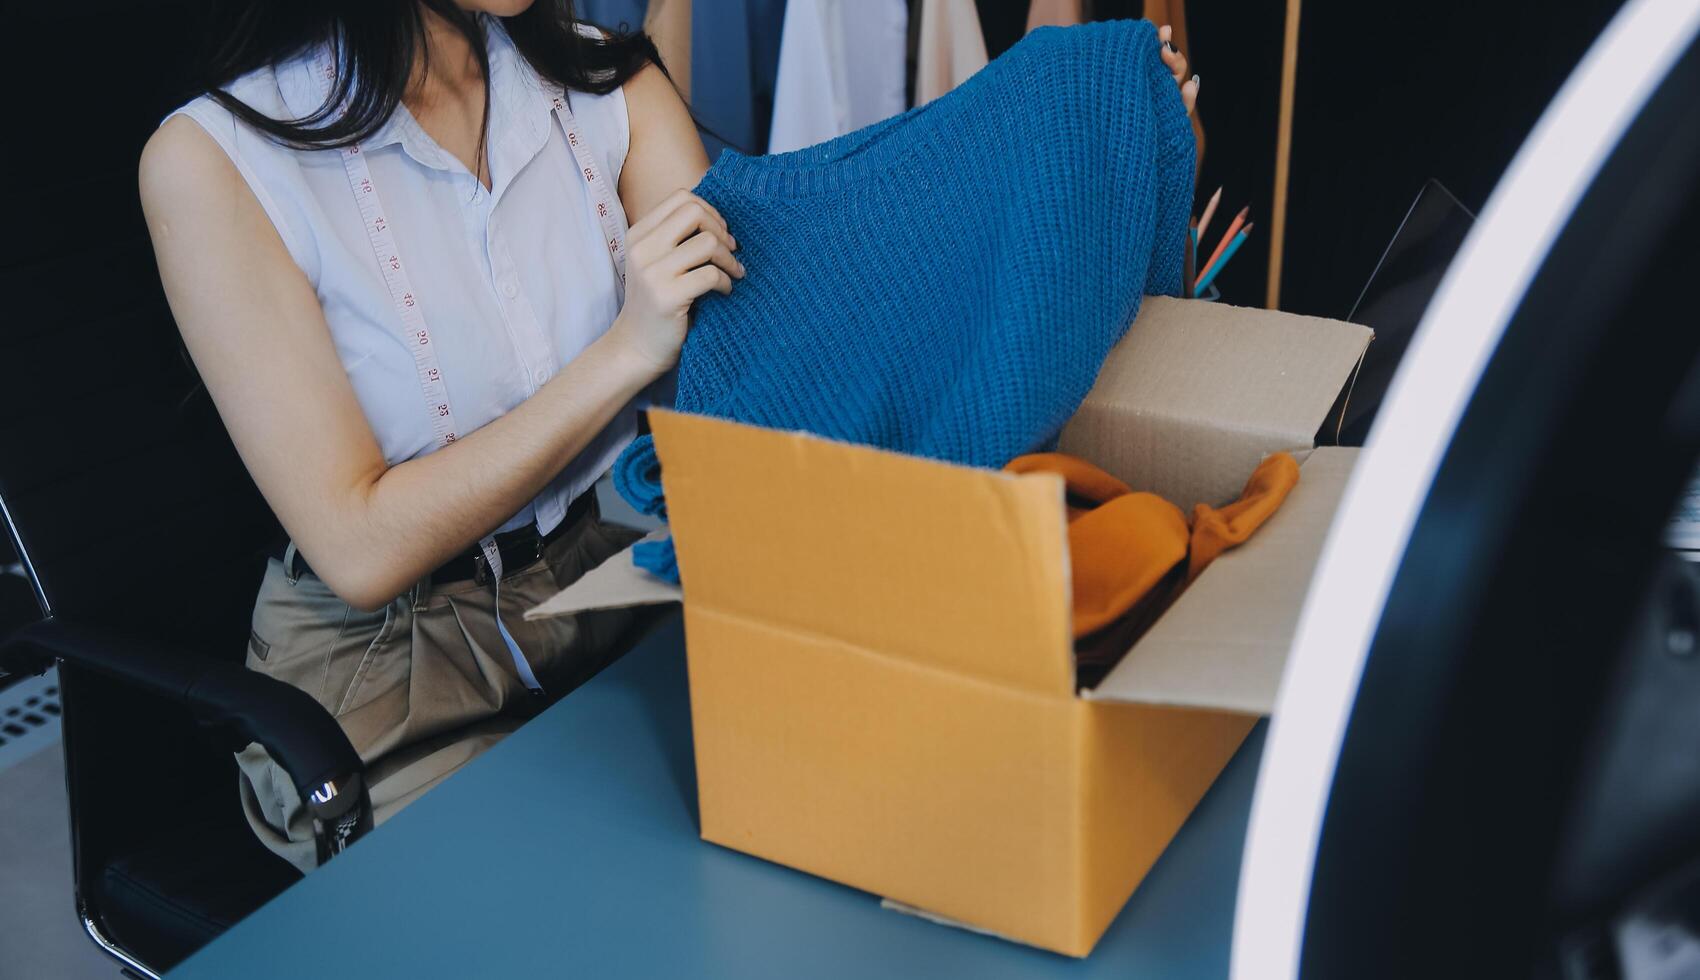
(841, 67)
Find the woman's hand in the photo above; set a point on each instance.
(1176, 63)
(679, 251)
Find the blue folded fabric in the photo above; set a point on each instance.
(616, 15)
(637, 478)
(947, 282)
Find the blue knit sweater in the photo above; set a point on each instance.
(947, 282)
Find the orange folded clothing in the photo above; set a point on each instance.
(1124, 544)
(1121, 544)
(1087, 486)
(1215, 531)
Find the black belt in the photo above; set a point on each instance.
(519, 548)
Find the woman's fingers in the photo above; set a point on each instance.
(700, 281)
(676, 253)
(679, 251)
(647, 223)
(1177, 65)
(1171, 55)
(704, 249)
(661, 211)
(690, 218)
(668, 208)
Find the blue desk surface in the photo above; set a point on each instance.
(571, 848)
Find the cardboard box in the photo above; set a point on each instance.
(881, 663)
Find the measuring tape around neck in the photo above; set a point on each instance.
(416, 335)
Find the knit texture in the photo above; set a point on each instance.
(947, 282)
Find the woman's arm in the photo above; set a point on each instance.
(258, 337)
(666, 155)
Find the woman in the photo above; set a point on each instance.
(390, 240)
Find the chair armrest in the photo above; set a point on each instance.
(303, 738)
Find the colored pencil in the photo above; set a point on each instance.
(1209, 212)
(1209, 276)
(1227, 236)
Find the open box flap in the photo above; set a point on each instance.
(614, 584)
(950, 567)
(1224, 642)
(1198, 393)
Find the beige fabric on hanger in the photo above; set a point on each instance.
(951, 47)
(1060, 13)
(668, 24)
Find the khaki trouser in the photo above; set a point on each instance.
(426, 683)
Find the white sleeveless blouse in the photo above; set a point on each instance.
(514, 282)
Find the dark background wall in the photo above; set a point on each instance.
(1388, 95)
(1236, 50)
(86, 342)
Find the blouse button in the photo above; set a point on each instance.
(540, 375)
(509, 289)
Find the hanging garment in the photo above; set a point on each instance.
(1054, 13)
(614, 15)
(668, 24)
(723, 54)
(734, 63)
(841, 67)
(946, 283)
(951, 47)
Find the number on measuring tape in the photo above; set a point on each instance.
(601, 193)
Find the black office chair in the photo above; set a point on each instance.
(137, 524)
(17, 605)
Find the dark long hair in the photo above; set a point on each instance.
(374, 43)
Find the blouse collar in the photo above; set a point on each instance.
(519, 107)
